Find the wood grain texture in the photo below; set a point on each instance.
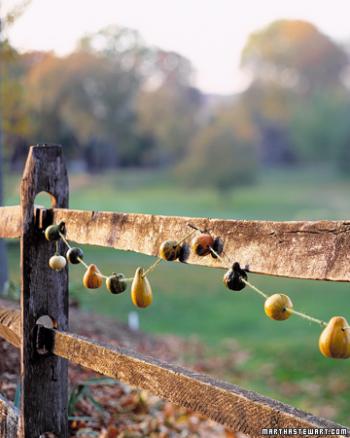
(10, 222)
(10, 326)
(8, 419)
(305, 249)
(310, 250)
(43, 292)
(228, 404)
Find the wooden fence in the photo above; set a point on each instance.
(312, 250)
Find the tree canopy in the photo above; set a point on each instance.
(294, 54)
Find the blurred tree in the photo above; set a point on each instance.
(16, 120)
(294, 54)
(291, 64)
(168, 117)
(320, 128)
(114, 100)
(270, 108)
(84, 97)
(3, 258)
(7, 100)
(223, 153)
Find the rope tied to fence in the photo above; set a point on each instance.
(266, 296)
(277, 306)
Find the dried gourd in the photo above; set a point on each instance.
(57, 262)
(334, 341)
(170, 250)
(92, 278)
(202, 244)
(141, 291)
(278, 307)
(116, 283)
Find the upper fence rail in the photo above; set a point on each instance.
(316, 250)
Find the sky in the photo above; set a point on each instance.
(211, 33)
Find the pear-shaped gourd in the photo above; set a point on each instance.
(335, 339)
(92, 278)
(278, 307)
(141, 291)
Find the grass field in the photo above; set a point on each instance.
(282, 358)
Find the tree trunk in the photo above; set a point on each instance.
(3, 257)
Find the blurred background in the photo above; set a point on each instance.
(200, 109)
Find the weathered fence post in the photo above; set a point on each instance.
(43, 292)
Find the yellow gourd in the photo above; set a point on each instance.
(335, 339)
(92, 278)
(141, 291)
(277, 307)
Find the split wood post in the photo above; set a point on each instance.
(43, 292)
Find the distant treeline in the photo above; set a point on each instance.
(116, 102)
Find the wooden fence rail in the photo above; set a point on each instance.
(8, 419)
(228, 404)
(314, 250)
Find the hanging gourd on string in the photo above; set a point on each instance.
(334, 341)
(116, 283)
(92, 278)
(141, 291)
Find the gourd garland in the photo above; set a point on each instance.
(334, 341)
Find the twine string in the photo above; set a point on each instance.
(159, 259)
(99, 274)
(264, 295)
(219, 257)
(130, 279)
(256, 289)
(307, 317)
(152, 267)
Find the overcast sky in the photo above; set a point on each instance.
(211, 33)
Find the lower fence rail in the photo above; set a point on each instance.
(8, 419)
(228, 404)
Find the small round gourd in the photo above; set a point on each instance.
(141, 291)
(53, 231)
(170, 250)
(334, 341)
(74, 255)
(277, 307)
(57, 262)
(92, 278)
(202, 243)
(233, 278)
(116, 283)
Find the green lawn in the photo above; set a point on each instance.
(283, 359)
